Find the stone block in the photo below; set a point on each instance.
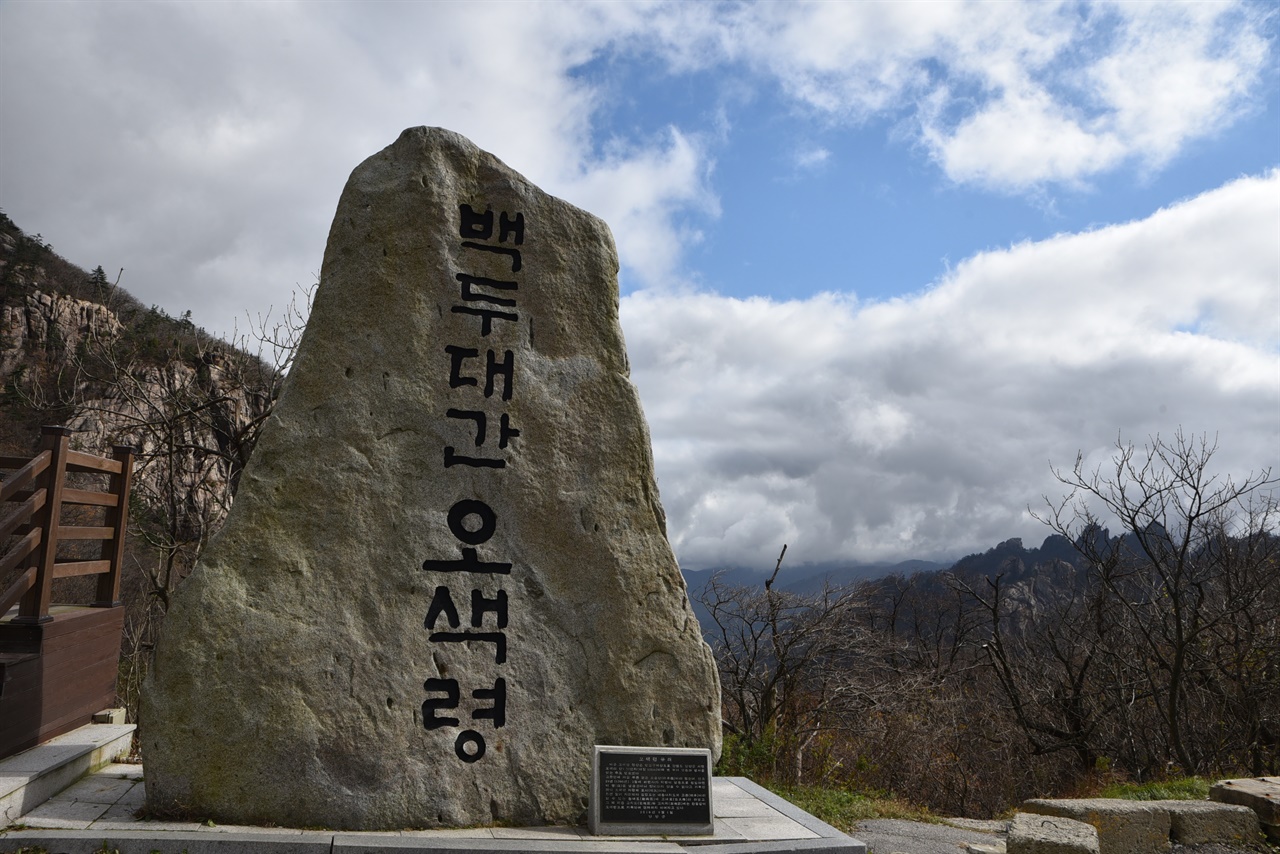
(1124, 827)
(1199, 822)
(109, 716)
(1260, 794)
(1032, 833)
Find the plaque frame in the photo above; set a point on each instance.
(595, 812)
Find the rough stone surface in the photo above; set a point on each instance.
(291, 679)
(1040, 834)
(1260, 794)
(1199, 822)
(1124, 827)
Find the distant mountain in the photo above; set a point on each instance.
(810, 577)
(1053, 563)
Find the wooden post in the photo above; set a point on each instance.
(34, 606)
(118, 520)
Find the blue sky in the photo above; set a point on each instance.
(882, 263)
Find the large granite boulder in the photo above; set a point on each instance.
(446, 574)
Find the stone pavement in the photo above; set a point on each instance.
(101, 809)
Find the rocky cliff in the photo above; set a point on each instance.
(79, 351)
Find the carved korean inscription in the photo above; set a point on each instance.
(482, 379)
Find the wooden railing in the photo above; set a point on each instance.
(38, 487)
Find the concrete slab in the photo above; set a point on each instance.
(135, 842)
(768, 828)
(367, 843)
(749, 820)
(33, 776)
(553, 833)
(68, 815)
(98, 789)
(450, 833)
(131, 771)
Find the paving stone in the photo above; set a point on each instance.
(119, 817)
(68, 815)
(537, 833)
(767, 828)
(97, 789)
(136, 796)
(123, 770)
(1124, 827)
(743, 807)
(450, 833)
(355, 843)
(1032, 833)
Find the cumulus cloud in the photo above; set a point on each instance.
(204, 146)
(1008, 96)
(925, 426)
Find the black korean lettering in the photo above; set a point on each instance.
(472, 224)
(487, 316)
(472, 415)
(453, 458)
(504, 369)
(470, 295)
(481, 606)
(469, 746)
(463, 510)
(498, 711)
(505, 431)
(513, 254)
(514, 227)
(456, 357)
(442, 603)
(498, 639)
(431, 706)
(469, 562)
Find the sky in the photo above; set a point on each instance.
(884, 265)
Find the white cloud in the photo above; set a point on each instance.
(204, 146)
(924, 427)
(1007, 96)
(812, 158)
(642, 192)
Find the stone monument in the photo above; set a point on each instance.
(446, 575)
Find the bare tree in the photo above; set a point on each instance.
(1196, 561)
(796, 669)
